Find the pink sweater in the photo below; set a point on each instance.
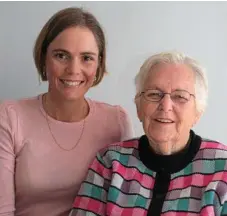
(37, 178)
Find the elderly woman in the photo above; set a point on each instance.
(170, 170)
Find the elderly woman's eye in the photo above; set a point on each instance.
(180, 98)
(154, 95)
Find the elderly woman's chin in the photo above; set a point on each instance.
(162, 139)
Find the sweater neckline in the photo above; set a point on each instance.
(52, 120)
(169, 163)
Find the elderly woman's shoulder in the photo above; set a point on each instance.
(127, 147)
(213, 149)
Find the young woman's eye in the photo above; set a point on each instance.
(61, 56)
(88, 58)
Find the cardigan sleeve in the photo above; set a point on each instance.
(92, 196)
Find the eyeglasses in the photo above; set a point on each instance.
(178, 96)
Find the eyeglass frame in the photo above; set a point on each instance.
(166, 93)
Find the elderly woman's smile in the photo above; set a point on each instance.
(166, 121)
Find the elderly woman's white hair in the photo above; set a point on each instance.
(201, 83)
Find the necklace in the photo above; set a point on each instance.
(55, 140)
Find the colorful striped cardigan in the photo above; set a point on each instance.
(129, 179)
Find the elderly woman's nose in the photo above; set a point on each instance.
(166, 103)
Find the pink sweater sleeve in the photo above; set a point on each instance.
(126, 126)
(7, 162)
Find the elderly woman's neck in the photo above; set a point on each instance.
(66, 111)
(171, 147)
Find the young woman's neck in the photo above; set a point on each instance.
(66, 111)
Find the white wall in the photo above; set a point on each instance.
(134, 30)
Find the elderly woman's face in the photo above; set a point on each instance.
(168, 120)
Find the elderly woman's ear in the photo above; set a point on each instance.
(137, 102)
(197, 118)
